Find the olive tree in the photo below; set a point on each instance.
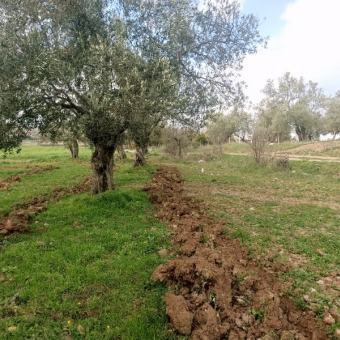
(206, 46)
(331, 119)
(110, 65)
(69, 61)
(292, 104)
(235, 123)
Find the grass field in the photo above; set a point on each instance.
(82, 272)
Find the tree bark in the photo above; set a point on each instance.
(140, 156)
(73, 146)
(121, 152)
(102, 169)
(179, 149)
(74, 149)
(301, 133)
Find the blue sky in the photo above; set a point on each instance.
(304, 40)
(269, 12)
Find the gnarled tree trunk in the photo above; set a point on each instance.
(301, 133)
(73, 146)
(74, 149)
(102, 169)
(121, 152)
(140, 155)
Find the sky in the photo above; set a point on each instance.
(304, 39)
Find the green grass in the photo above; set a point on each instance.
(83, 271)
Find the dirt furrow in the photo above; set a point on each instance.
(19, 218)
(4, 184)
(216, 290)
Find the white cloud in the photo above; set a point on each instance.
(307, 46)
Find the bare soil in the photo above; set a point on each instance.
(19, 219)
(216, 290)
(4, 184)
(316, 146)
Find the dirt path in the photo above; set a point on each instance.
(295, 157)
(216, 290)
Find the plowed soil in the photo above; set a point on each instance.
(216, 290)
(19, 219)
(4, 184)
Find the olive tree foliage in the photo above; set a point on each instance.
(205, 46)
(70, 61)
(236, 123)
(176, 140)
(331, 119)
(292, 105)
(110, 65)
(65, 131)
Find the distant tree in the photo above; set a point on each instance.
(66, 131)
(331, 119)
(155, 107)
(176, 140)
(259, 142)
(277, 125)
(237, 122)
(293, 104)
(201, 138)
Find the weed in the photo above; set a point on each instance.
(259, 315)
(204, 238)
(225, 231)
(239, 278)
(300, 302)
(212, 298)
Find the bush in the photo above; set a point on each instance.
(279, 162)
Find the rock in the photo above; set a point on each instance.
(328, 319)
(12, 329)
(334, 312)
(81, 329)
(306, 298)
(266, 337)
(320, 252)
(241, 301)
(287, 335)
(320, 282)
(163, 252)
(337, 333)
(238, 323)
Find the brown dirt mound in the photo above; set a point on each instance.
(217, 291)
(18, 220)
(4, 184)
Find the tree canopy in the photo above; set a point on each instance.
(331, 119)
(292, 104)
(107, 65)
